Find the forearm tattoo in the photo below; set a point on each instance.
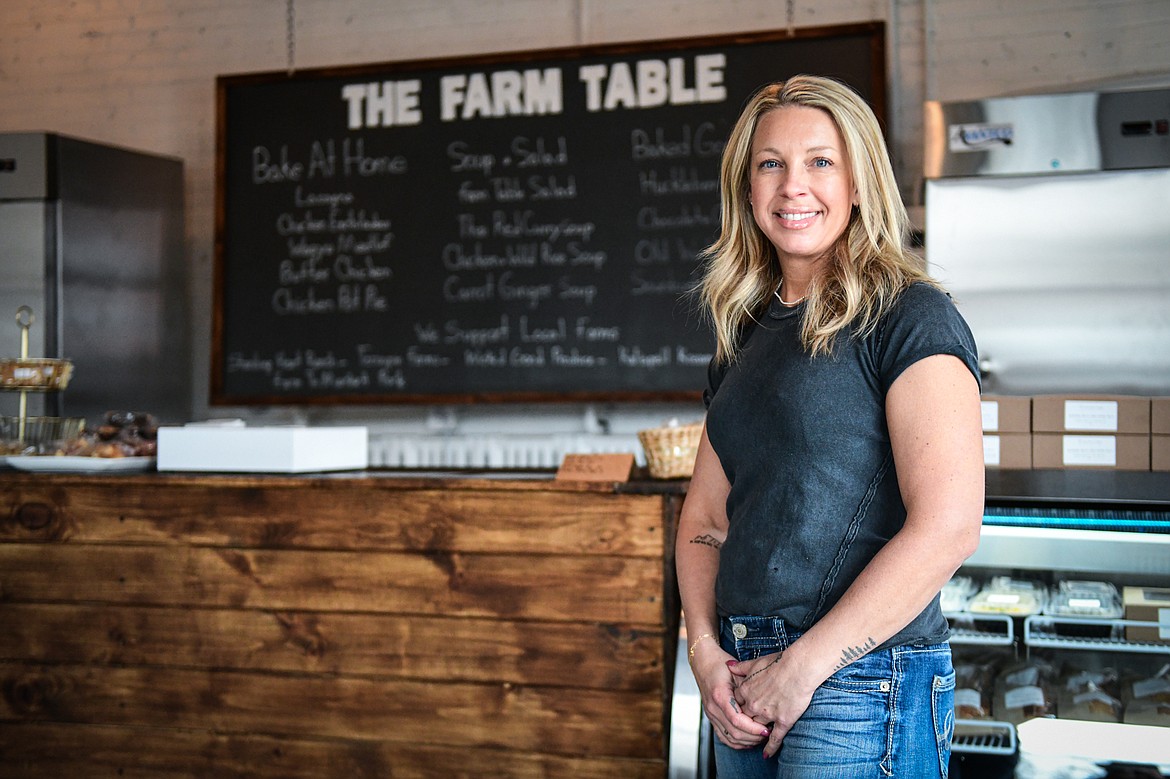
(851, 653)
(707, 540)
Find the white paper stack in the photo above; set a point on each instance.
(278, 449)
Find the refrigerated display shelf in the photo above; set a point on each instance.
(1046, 631)
(983, 737)
(1068, 523)
(992, 630)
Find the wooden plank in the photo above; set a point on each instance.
(334, 515)
(580, 589)
(610, 657)
(456, 716)
(199, 626)
(51, 751)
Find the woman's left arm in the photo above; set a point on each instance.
(936, 432)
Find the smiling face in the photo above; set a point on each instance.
(802, 191)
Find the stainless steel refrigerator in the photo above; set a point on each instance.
(1048, 218)
(91, 238)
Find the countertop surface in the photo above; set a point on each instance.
(388, 478)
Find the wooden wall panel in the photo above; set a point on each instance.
(430, 710)
(240, 626)
(332, 516)
(36, 750)
(538, 652)
(585, 588)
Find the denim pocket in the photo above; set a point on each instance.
(749, 637)
(847, 729)
(943, 703)
(870, 674)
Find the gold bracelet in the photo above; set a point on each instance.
(695, 643)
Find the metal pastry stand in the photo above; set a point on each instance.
(32, 375)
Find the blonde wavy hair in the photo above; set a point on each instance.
(868, 266)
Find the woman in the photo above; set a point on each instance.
(839, 479)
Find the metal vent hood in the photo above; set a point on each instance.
(1048, 218)
(1072, 132)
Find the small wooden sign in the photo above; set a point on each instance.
(596, 467)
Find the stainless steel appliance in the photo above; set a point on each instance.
(1048, 218)
(91, 238)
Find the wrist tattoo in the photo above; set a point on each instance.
(851, 653)
(707, 540)
(759, 671)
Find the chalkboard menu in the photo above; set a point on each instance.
(502, 228)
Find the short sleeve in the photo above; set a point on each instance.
(923, 323)
(716, 370)
(715, 373)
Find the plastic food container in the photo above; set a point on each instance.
(956, 594)
(1096, 600)
(1015, 597)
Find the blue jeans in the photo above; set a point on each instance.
(889, 714)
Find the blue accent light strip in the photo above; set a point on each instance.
(1080, 519)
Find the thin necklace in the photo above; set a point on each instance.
(784, 302)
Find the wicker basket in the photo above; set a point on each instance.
(670, 450)
(33, 373)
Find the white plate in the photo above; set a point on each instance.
(66, 464)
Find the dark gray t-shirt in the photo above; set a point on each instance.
(804, 443)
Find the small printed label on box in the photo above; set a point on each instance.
(1089, 450)
(990, 410)
(1090, 415)
(990, 449)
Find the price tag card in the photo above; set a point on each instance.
(596, 467)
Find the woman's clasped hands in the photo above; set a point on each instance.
(717, 683)
(753, 701)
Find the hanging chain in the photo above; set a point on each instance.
(290, 20)
(790, 17)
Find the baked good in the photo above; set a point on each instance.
(1090, 695)
(1024, 691)
(122, 434)
(973, 686)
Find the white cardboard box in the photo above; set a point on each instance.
(280, 449)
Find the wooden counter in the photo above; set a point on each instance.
(356, 625)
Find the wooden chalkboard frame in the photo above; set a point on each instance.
(872, 38)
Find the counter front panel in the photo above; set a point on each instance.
(336, 625)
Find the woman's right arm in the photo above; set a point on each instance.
(702, 529)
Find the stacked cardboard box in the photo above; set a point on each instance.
(1148, 604)
(1007, 431)
(1160, 434)
(1091, 431)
